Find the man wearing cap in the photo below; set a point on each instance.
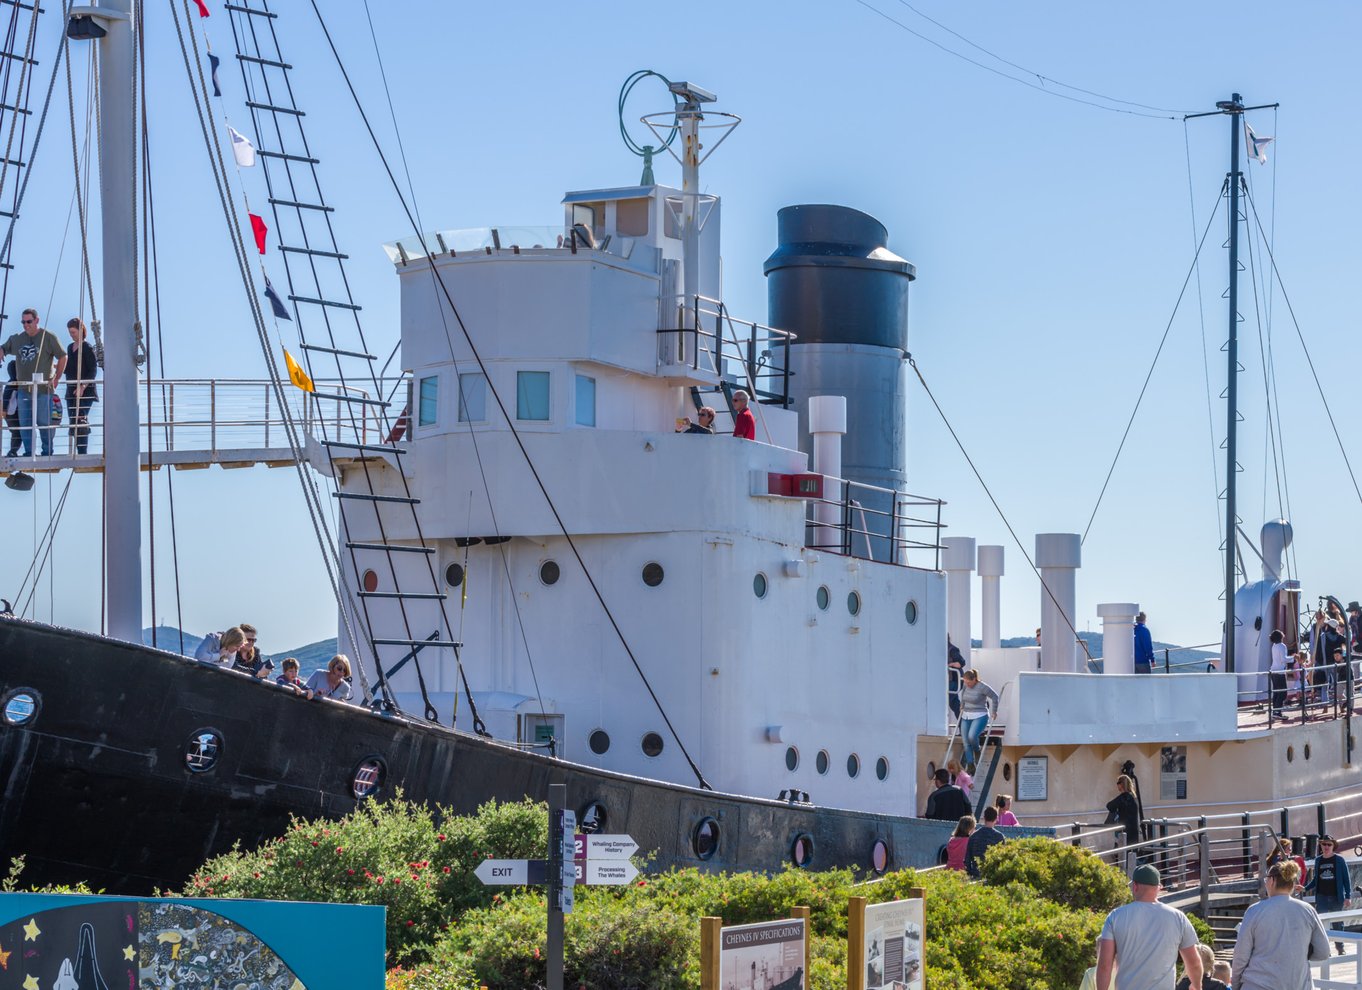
(1329, 880)
(1141, 941)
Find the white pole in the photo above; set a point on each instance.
(690, 207)
(957, 560)
(1058, 556)
(1118, 636)
(827, 425)
(990, 572)
(122, 502)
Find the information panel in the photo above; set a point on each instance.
(894, 936)
(764, 956)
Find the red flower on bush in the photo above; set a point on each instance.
(378, 879)
(339, 850)
(410, 922)
(298, 863)
(351, 872)
(446, 869)
(440, 837)
(397, 879)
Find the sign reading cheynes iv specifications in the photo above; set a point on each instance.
(893, 945)
(765, 956)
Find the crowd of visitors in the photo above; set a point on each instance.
(236, 649)
(34, 364)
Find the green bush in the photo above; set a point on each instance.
(10, 884)
(1057, 872)
(394, 853)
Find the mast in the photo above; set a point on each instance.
(1235, 110)
(117, 193)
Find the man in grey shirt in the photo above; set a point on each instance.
(1142, 940)
(1278, 937)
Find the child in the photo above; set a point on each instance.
(289, 678)
(1004, 805)
(959, 777)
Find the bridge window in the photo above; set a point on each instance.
(532, 395)
(586, 401)
(429, 407)
(472, 397)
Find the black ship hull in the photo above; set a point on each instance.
(98, 787)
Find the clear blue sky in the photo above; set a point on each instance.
(1051, 239)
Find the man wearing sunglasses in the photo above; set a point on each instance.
(35, 350)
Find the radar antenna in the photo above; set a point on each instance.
(646, 151)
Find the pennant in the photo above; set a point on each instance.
(213, 63)
(296, 374)
(276, 304)
(260, 230)
(1257, 146)
(242, 149)
(203, 8)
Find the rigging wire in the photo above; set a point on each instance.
(1270, 441)
(468, 338)
(1150, 374)
(999, 72)
(1031, 72)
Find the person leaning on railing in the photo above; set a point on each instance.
(81, 369)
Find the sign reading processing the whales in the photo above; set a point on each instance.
(65, 941)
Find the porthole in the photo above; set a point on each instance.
(1290, 754)
(369, 581)
(820, 762)
(454, 575)
(801, 850)
(652, 744)
(791, 759)
(853, 766)
(854, 603)
(592, 818)
(368, 778)
(931, 769)
(704, 838)
(202, 750)
(653, 574)
(21, 706)
(1007, 771)
(882, 768)
(823, 598)
(599, 741)
(910, 612)
(759, 586)
(879, 856)
(1306, 751)
(549, 572)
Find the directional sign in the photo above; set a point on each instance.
(610, 872)
(512, 872)
(604, 847)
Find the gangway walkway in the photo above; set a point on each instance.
(199, 422)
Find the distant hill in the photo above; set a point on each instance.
(310, 657)
(168, 638)
(1094, 641)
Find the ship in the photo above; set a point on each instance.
(731, 648)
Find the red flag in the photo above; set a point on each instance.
(260, 230)
(203, 8)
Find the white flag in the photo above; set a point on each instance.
(1257, 146)
(242, 149)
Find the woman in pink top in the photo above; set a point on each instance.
(955, 846)
(1004, 806)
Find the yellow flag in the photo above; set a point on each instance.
(296, 374)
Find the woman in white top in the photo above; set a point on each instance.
(333, 682)
(1277, 671)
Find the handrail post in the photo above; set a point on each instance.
(1321, 820)
(1165, 661)
(1244, 838)
(267, 414)
(1204, 865)
(785, 391)
(170, 433)
(213, 415)
(846, 518)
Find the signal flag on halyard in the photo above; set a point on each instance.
(296, 374)
(242, 149)
(203, 8)
(213, 63)
(260, 230)
(276, 304)
(1257, 146)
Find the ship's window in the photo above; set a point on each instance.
(202, 750)
(631, 217)
(592, 818)
(653, 574)
(532, 395)
(820, 762)
(652, 744)
(454, 575)
(21, 707)
(910, 612)
(369, 580)
(599, 741)
(791, 759)
(368, 777)
(854, 603)
(823, 597)
(801, 850)
(549, 572)
(586, 401)
(759, 585)
(585, 214)
(853, 765)
(704, 840)
(472, 397)
(1007, 771)
(1290, 754)
(429, 406)
(882, 768)
(1306, 751)
(879, 856)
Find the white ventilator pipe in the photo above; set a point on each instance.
(1058, 556)
(1275, 538)
(957, 560)
(827, 426)
(1118, 636)
(990, 571)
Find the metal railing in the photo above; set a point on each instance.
(219, 414)
(708, 339)
(873, 523)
